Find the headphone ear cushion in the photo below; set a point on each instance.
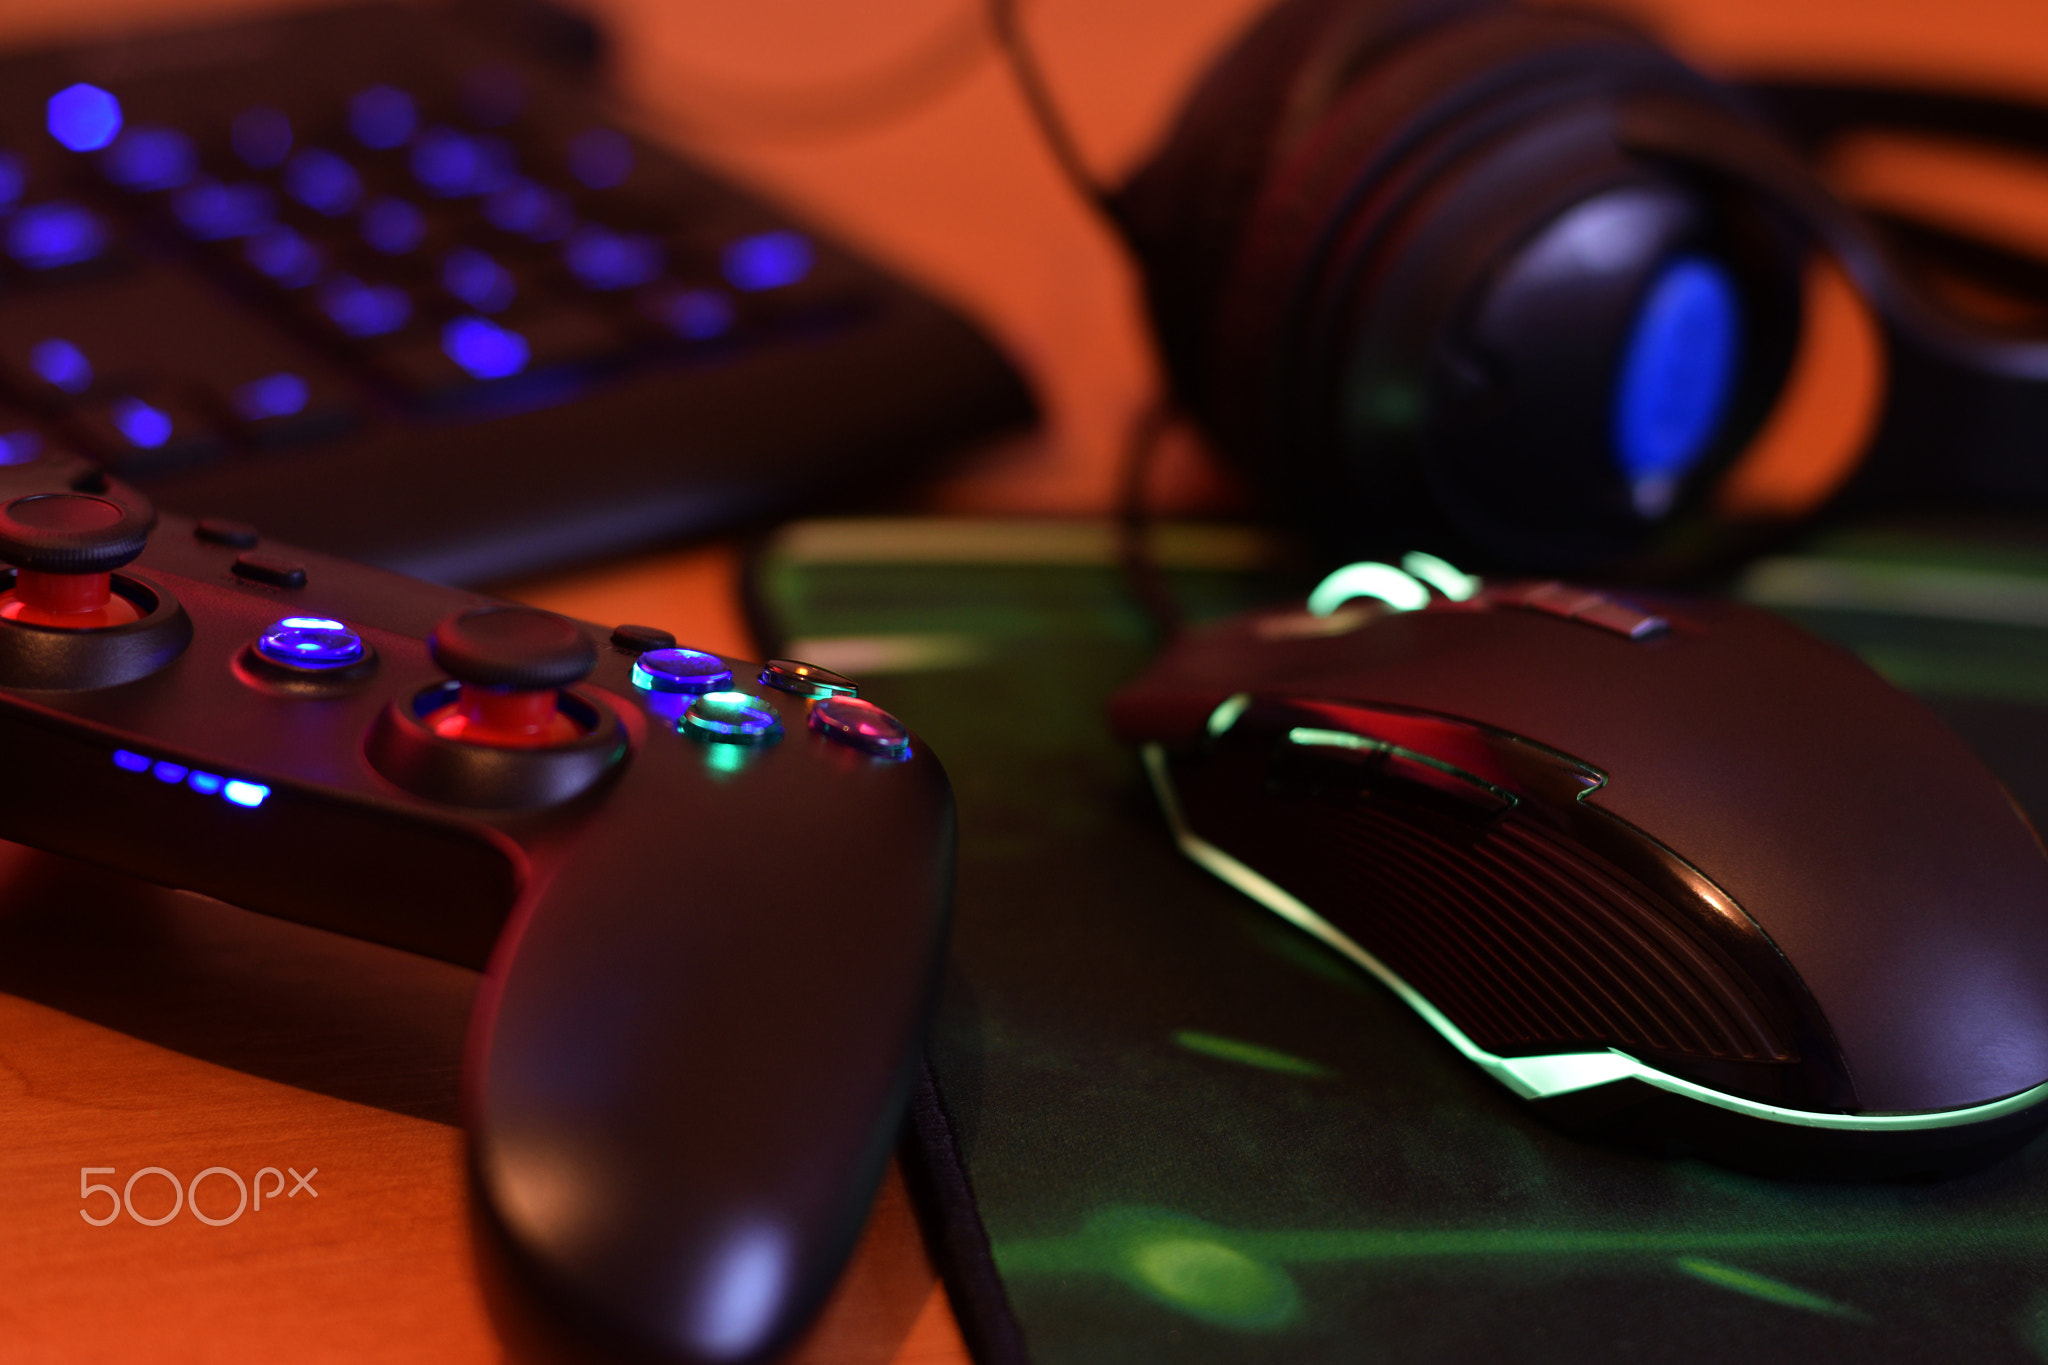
(1184, 211)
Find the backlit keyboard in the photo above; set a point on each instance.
(381, 281)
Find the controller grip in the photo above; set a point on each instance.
(693, 1053)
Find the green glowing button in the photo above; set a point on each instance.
(731, 718)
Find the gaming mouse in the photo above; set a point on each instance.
(1675, 870)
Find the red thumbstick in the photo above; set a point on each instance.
(512, 663)
(65, 547)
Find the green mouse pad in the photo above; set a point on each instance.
(1166, 1126)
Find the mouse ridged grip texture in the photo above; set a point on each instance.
(1568, 952)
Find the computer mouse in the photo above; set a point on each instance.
(1675, 870)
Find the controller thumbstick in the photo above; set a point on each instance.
(512, 663)
(65, 547)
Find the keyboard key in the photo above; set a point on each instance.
(767, 260)
(601, 159)
(323, 182)
(283, 256)
(605, 259)
(477, 279)
(485, 349)
(288, 407)
(364, 310)
(451, 164)
(262, 137)
(532, 211)
(210, 211)
(146, 160)
(473, 356)
(382, 117)
(83, 118)
(690, 314)
(395, 227)
(19, 442)
(59, 363)
(147, 431)
(51, 236)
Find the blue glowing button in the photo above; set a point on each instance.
(262, 137)
(83, 117)
(768, 260)
(732, 718)
(805, 680)
(127, 760)
(680, 670)
(1676, 375)
(53, 235)
(149, 159)
(313, 644)
(166, 771)
(861, 725)
(206, 784)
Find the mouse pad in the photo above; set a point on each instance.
(1165, 1126)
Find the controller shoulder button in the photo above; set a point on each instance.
(270, 571)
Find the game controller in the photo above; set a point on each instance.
(709, 899)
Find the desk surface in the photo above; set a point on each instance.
(273, 1046)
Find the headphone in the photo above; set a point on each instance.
(1521, 288)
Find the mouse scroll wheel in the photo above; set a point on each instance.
(1577, 604)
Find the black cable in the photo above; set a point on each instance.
(1045, 113)
(1133, 524)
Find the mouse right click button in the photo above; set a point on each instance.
(1609, 614)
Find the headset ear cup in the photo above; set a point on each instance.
(1321, 349)
(1184, 211)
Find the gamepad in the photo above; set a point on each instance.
(709, 899)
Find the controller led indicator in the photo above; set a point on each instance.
(248, 795)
